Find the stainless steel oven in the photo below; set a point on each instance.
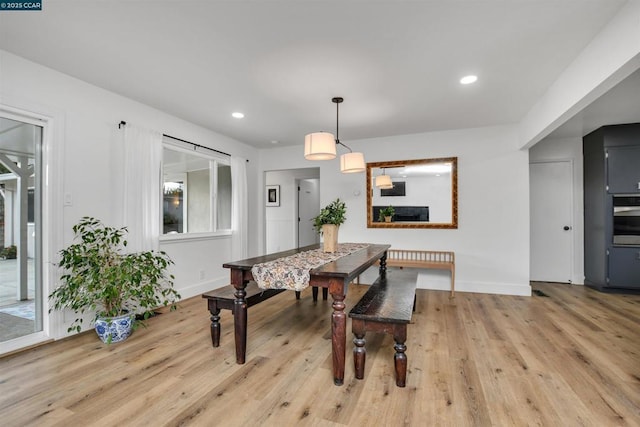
(626, 219)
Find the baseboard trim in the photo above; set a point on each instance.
(479, 287)
(202, 287)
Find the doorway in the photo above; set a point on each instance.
(308, 208)
(285, 219)
(551, 210)
(21, 299)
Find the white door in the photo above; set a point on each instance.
(308, 208)
(551, 208)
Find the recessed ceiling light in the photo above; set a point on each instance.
(237, 115)
(275, 141)
(468, 79)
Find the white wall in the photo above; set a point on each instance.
(568, 149)
(492, 239)
(86, 145)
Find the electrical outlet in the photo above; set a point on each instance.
(201, 274)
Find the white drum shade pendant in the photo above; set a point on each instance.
(319, 146)
(352, 163)
(384, 182)
(322, 146)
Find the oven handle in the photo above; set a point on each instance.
(626, 210)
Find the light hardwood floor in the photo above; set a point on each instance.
(569, 359)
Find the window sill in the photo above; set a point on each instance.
(184, 237)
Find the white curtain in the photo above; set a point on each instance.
(239, 206)
(141, 192)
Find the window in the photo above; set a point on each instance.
(196, 189)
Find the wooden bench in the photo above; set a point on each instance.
(224, 298)
(441, 260)
(385, 307)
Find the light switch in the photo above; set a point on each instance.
(68, 199)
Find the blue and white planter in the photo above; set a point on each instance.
(114, 329)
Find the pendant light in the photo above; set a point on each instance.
(383, 181)
(322, 146)
(319, 146)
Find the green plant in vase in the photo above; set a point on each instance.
(328, 221)
(100, 277)
(386, 214)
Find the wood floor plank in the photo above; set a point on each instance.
(571, 358)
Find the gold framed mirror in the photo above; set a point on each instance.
(421, 193)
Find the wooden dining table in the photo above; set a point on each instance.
(335, 276)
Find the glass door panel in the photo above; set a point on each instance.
(20, 229)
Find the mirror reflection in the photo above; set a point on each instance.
(413, 193)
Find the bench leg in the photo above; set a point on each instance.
(400, 358)
(215, 327)
(314, 291)
(297, 294)
(453, 281)
(325, 293)
(359, 350)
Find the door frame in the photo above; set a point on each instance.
(51, 219)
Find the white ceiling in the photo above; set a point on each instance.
(396, 63)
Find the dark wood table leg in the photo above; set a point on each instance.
(240, 315)
(338, 331)
(325, 293)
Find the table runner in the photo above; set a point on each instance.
(292, 272)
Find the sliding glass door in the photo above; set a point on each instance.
(21, 299)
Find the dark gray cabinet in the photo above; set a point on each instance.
(623, 169)
(624, 267)
(611, 166)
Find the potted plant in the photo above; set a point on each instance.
(10, 252)
(386, 214)
(122, 288)
(328, 221)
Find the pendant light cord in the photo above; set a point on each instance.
(337, 101)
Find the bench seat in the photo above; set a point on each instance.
(387, 307)
(224, 299)
(440, 260)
